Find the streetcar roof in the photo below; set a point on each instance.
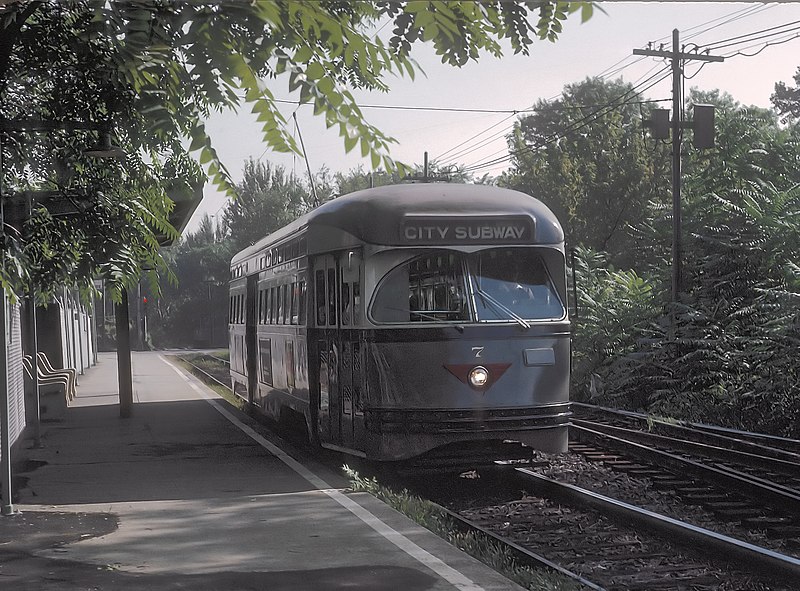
(373, 216)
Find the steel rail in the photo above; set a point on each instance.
(522, 555)
(786, 467)
(765, 561)
(205, 373)
(220, 359)
(722, 436)
(779, 497)
(786, 444)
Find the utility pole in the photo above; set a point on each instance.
(677, 58)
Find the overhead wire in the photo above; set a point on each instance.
(716, 23)
(748, 37)
(494, 137)
(796, 35)
(575, 126)
(610, 71)
(746, 12)
(505, 131)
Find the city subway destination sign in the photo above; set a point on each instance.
(466, 230)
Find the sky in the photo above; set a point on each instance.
(602, 46)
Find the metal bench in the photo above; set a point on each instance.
(45, 367)
(53, 391)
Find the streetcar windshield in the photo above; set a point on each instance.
(501, 284)
(512, 283)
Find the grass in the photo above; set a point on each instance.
(483, 548)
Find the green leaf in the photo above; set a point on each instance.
(315, 71)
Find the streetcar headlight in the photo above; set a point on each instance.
(479, 376)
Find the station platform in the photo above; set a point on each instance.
(190, 494)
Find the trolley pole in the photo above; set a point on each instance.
(677, 58)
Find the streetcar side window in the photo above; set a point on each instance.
(302, 304)
(285, 296)
(295, 301)
(347, 307)
(319, 291)
(279, 319)
(265, 349)
(331, 297)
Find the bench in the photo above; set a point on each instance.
(53, 391)
(46, 368)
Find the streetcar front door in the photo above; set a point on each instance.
(337, 298)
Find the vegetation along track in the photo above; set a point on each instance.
(604, 543)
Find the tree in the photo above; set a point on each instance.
(786, 99)
(268, 199)
(192, 311)
(151, 71)
(585, 155)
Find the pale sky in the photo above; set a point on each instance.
(517, 82)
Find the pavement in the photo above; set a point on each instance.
(190, 494)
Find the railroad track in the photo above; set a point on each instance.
(745, 491)
(220, 377)
(603, 543)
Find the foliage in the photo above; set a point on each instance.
(192, 312)
(268, 199)
(151, 71)
(88, 217)
(616, 309)
(730, 357)
(590, 163)
(183, 59)
(786, 99)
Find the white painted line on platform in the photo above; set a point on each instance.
(435, 564)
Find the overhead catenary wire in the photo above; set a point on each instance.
(505, 131)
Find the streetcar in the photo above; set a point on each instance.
(403, 320)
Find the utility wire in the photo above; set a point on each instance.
(575, 126)
(502, 133)
(505, 130)
(745, 12)
(748, 37)
(639, 81)
(769, 44)
(620, 65)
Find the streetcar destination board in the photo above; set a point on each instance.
(463, 230)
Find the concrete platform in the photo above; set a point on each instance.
(188, 493)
